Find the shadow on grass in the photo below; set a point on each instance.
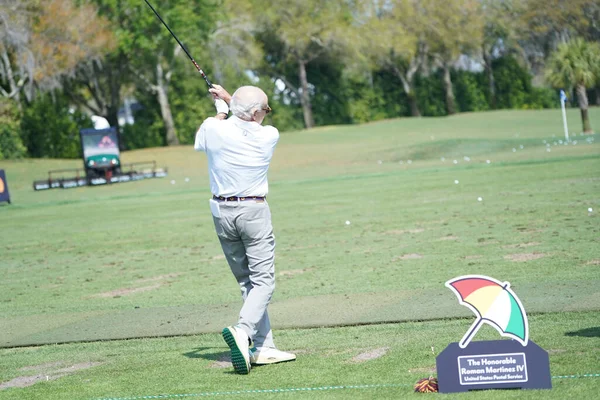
(220, 357)
(201, 352)
(587, 332)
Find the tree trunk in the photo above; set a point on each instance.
(13, 88)
(165, 107)
(407, 84)
(487, 62)
(113, 105)
(414, 107)
(309, 121)
(450, 102)
(583, 106)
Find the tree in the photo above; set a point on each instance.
(401, 47)
(49, 129)
(16, 59)
(453, 28)
(146, 53)
(43, 41)
(298, 33)
(576, 64)
(11, 145)
(499, 37)
(64, 35)
(543, 24)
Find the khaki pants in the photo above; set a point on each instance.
(246, 235)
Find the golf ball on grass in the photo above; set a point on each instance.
(456, 181)
(590, 209)
(172, 182)
(347, 222)
(480, 199)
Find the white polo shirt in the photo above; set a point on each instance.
(239, 153)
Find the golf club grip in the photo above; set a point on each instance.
(209, 83)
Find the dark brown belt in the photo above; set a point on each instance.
(234, 198)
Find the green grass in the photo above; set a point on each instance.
(142, 260)
(326, 357)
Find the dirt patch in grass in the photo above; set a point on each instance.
(404, 231)
(424, 370)
(293, 272)
(223, 361)
(556, 351)
(370, 355)
(593, 262)
(127, 291)
(520, 245)
(43, 367)
(294, 247)
(46, 373)
(451, 237)
(472, 257)
(412, 256)
(524, 257)
(533, 230)
(159, 278)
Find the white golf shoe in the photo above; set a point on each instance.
(238, 342)
(267, 355)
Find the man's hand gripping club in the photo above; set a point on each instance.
(222, 99)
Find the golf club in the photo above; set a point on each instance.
(210, 85)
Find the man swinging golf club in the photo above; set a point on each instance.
(239, 150)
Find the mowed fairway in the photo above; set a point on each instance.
(141, 260)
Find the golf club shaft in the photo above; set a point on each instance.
(210, 85)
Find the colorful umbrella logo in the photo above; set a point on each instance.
(494, 303)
